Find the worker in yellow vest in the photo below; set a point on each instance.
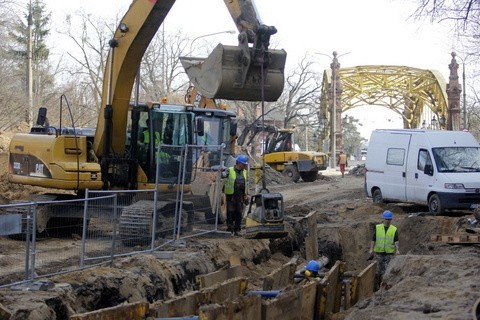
(384, 243)
(235, 190)
(161, 156)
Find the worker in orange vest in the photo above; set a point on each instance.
(342, 162)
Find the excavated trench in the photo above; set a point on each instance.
(344, 230)
(150, 277)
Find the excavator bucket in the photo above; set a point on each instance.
(227, 74)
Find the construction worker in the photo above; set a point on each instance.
(342, 162)
(311, 272)
(163, 156)
(384, 243)
(235, 190)
(146, 135)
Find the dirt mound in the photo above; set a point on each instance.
(359, 170)
(274, 177)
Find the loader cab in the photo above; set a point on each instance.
(218, 127)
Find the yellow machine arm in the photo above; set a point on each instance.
(235, 75)
(131, 39)
(193, 96)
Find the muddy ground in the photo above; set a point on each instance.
(429, 280)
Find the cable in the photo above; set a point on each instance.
(62, 98)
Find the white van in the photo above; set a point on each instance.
(440, 169)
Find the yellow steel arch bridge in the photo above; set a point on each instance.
(418, 96)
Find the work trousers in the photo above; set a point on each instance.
(234, 214)
(383, 259)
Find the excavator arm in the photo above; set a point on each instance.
(252, 130)
(252, 30)
(230, 72)
(127, 47)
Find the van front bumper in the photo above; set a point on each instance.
(459, 200)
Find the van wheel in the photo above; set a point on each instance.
(435, 205)
(377, 196)
(292, 173)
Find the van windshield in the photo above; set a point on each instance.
(457, 159)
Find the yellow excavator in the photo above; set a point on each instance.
(110, 157)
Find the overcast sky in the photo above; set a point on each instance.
(368, 32)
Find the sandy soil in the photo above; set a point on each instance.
(429, 280)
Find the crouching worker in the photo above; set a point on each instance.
(311, 272)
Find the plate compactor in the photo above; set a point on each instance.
(265, 217)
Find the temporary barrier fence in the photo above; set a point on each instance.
(76, 233)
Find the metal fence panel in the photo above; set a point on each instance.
(15, 249)
(10, 224)
(72, 234)
(56, 245)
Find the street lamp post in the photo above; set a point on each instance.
(464, 109)
(208, 35)
(333, 123)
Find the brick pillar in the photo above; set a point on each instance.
(335, 93)
(454, 89)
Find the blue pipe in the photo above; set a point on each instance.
(265, 294)
(179, 318)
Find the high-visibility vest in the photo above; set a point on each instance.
(384, 242)
(146, 137)
(163, 157)
(230, 183)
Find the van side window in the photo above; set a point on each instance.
(395, 156)
(423, 159)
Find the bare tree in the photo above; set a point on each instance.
(473, 112)
(300, 95)
(162, 72)
(83, 65)
(465, 15)
(462, 11)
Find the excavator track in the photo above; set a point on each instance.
(136, 221)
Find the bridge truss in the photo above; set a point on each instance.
(417, 95)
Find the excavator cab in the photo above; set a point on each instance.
(265, 217)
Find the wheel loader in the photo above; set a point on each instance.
(280, 155)
(110, 157)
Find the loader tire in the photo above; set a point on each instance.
(309, 176)
(292, 173)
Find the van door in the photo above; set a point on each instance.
(396, 166)
(418, 182)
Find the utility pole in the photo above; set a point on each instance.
(28, 114)
(465, 124)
